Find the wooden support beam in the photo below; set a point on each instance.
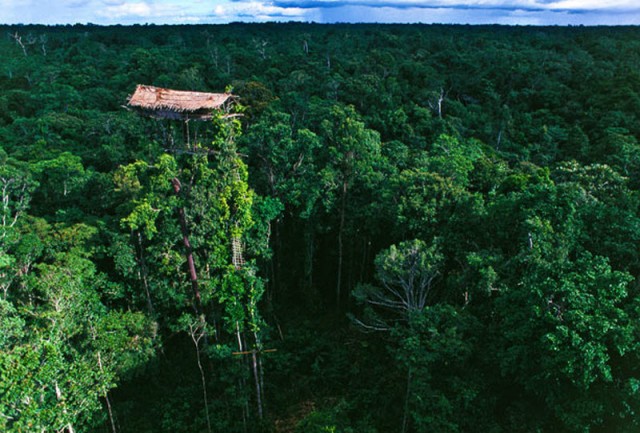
(251, 352)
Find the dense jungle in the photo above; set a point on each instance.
(395, 228)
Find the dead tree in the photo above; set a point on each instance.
(18, 39)
(436, 105)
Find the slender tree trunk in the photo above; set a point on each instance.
(188, 250)
(256, 377)
(272, 280)
(111, 418)
(143, 273)
(363, 261)
(241, 381)
(277, 256)
(69, 426)
(106, 398)
(350, 264)
(405, 416)
(196, 341)
(239, 338)
(245, 415)
(309, 249)
(185, 134)
(261, 375)
(340, 246)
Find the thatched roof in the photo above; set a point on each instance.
(176, 103)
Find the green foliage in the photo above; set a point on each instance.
(508, 155)
(435, 349)
(574, 319)
(333, 419)
(453, 159)
(64, 352)
(407, 275)
(352, 150)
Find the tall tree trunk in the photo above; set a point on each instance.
(111, 418)
(277, 257)
(256, 377)
(258, 374)
(241, 381)
(144, 273)
(340, 246)
(309, 250)
(363, 260)
(188, 250)
(197, 333)
(405, 416)
(106, 397)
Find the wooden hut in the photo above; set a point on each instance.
(161, 103)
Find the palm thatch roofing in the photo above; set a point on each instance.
(176, 104)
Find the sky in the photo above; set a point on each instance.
(513, 12)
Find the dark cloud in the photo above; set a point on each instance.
(506, 5)
(361, 14)
(322, 4)
(275, 16)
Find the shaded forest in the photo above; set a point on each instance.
(439, 230)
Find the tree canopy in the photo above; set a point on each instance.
(400, 228)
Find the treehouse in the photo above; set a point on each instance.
(169, 104)
(183, 106)
(179, 106)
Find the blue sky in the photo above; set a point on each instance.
(525, 12)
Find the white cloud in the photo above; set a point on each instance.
(143, 11)
(595, 5)
(256, 11)
(127, 9)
